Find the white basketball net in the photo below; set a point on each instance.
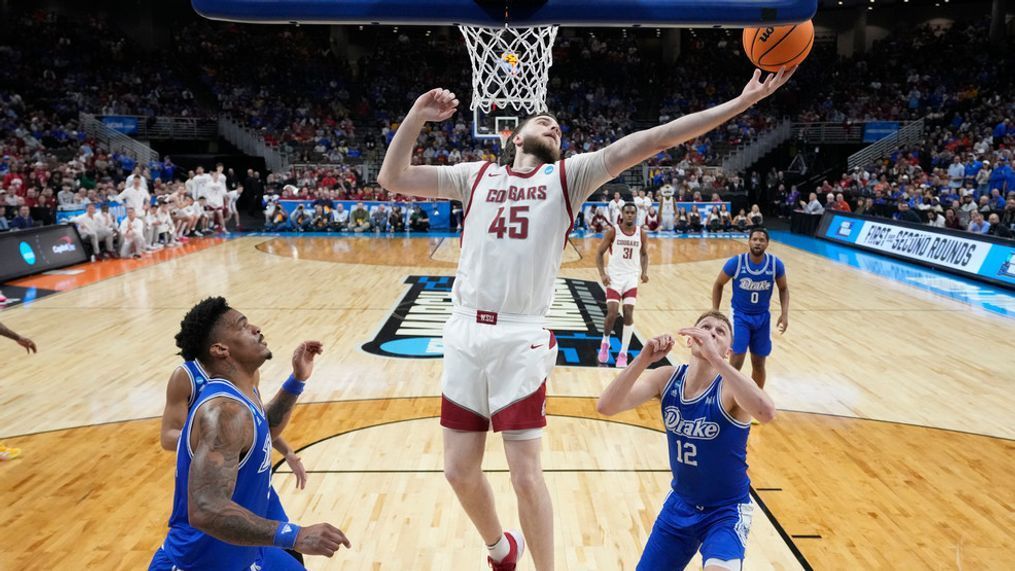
(510, 66)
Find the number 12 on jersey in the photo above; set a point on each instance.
(515, 225)
(686, 451)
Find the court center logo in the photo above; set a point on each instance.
(415, 327)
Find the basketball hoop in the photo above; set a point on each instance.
(505, 134)
(510, 67)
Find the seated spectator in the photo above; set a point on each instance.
(66, 198)
(379, 218)
(320, 221)
(936, 220)
(339, 218)
(812, 206)
(906, 215)
(741, 221)
(396, 220)
(300, 219)
(725, 219)
(952, 220)
(998, 229)
(694, 219)
(977, 224)
(966, 209)
(997, 203)
(682, 222)
(93, 231)
(360, 219)
(841, 204)
(1008, 217)
(419, 221)
(712, 221)
(132, 235)
(279, 220)
(865, 206)
(599, 222)
(23, 220)
(652, 219)
(755, 216)
(983, 206)
(4, 225)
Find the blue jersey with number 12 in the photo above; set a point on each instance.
(753, 283)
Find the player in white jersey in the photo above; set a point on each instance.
(615, 206)
(642, 202)
(496, 353)
(621, 278)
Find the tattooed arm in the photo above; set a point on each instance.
(223, 429)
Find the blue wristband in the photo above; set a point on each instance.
(291, 385)
(285, 535)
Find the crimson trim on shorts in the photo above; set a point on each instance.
(520, 424)
(567, 201)
(529, 174)
(472, 193)
(461, 418)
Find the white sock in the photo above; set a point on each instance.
(628, 331)
(606, 338)
(498, 551)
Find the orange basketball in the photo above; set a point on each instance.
(773, 47)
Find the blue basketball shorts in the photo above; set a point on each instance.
(275, 510)
(682, 529)
(270, 559)
(754, 331)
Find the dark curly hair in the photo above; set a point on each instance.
(762, 230)
(197, 325)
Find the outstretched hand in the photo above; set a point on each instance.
(303, 359)
(435, 105)
(756, 90)
(28, 344)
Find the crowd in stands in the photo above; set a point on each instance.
(342, 107)
(974, 192)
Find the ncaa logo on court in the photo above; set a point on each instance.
(27, 253)
(415, 328)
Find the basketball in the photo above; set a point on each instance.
(776, 46)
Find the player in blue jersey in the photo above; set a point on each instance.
(707, 406)
(183, 390)
(220, 505)
(754, 274)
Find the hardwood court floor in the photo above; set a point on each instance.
(894, 491)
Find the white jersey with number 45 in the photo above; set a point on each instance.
(515, 229)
